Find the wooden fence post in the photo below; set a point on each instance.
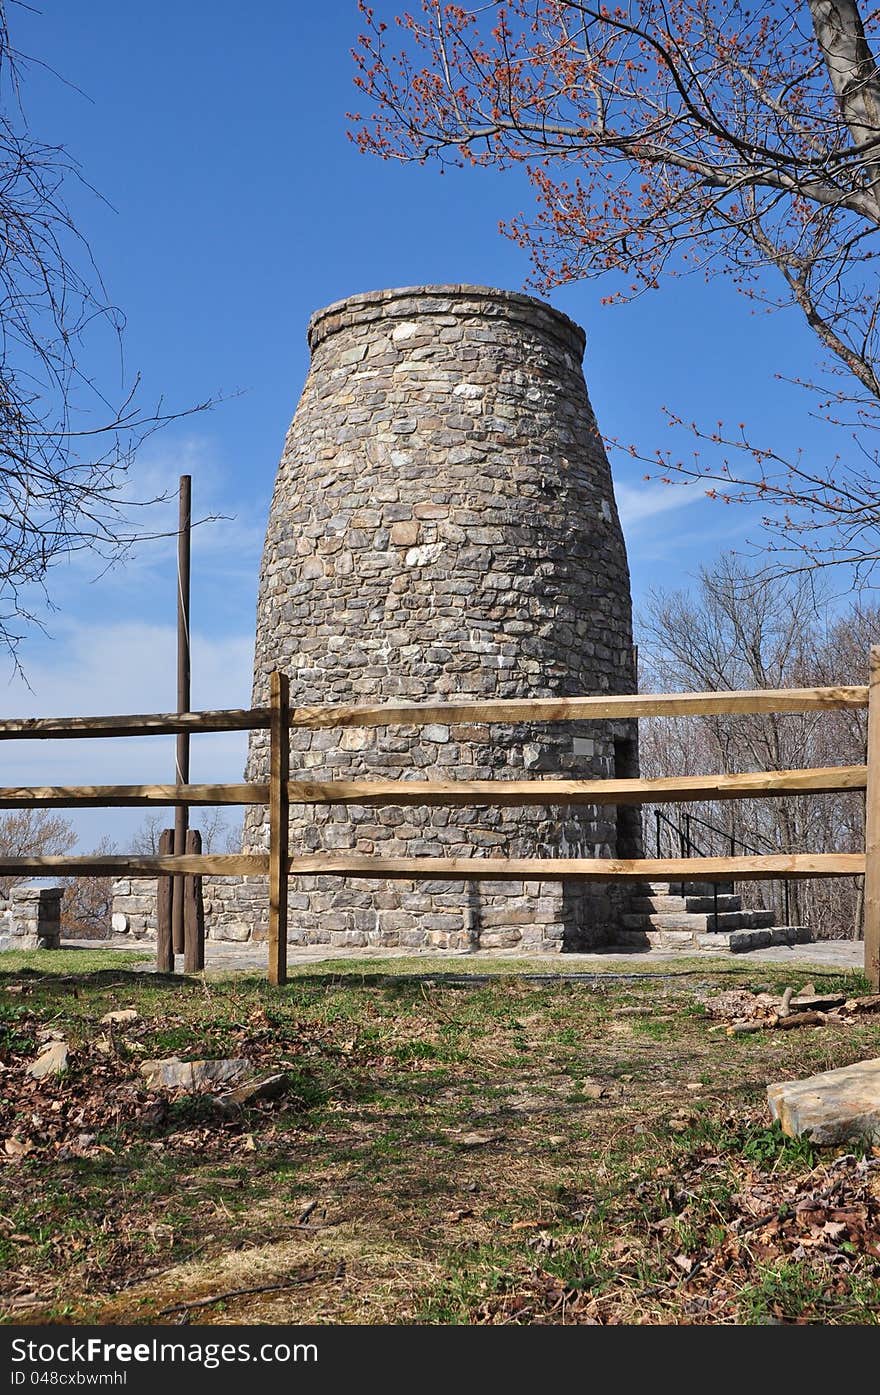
(193, 911)
(178, 938)
(279, 766)
(164, 940)
(872, 828)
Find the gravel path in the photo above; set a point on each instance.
(224, 957)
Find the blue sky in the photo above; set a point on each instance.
(233, 206)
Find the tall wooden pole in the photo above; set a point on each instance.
(279, 832)
(181, 772)
(872, 828)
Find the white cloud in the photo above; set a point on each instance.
(227, 536)
(99, 669)
(637, 503)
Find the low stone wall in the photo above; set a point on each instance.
(30, 917)
(386, 914)
(134, 907)
(236, 908)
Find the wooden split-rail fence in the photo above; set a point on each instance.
(279, 718)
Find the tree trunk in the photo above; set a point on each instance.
(852, 69)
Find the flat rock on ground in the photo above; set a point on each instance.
(838, 1106)
(195, 1076)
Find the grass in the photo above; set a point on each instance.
(446, 1149)
(69, 961)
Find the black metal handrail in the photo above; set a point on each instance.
(689, 846)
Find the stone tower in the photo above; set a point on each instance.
(443, 525)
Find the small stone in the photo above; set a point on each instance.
(52, 1060)
(16, 1147)
(433, 731)
(405, 534)
(404, 331)
(421, 556)
(120, 1016)
(834, 1107)
(353, 739)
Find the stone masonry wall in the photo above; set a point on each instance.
(236, 908)
(30, 917)
(443, 526)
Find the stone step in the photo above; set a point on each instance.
(714, 942)
(649, 904)
(694, 923)
(654, 939)
(691, 888)
(743, 940)
(726, 902)
(754, 920)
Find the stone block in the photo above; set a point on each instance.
(499, 939)
(405, 534)
(240, 931)
(836, 1108)
(742, 940)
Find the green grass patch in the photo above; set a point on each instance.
(52, 962)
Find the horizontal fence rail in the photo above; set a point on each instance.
(128, 796)
(574, 709)
(160, 724)
(583, 869)
(580, 709)
(134, 865)
(680, 789)
(634, 791)
(482, 869)
(279, 718)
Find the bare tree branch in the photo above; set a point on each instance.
(66, 449)
(667, 136)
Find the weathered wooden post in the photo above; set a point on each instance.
(164, 937)
(193, 911)
(279, 770)
(872, 827)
